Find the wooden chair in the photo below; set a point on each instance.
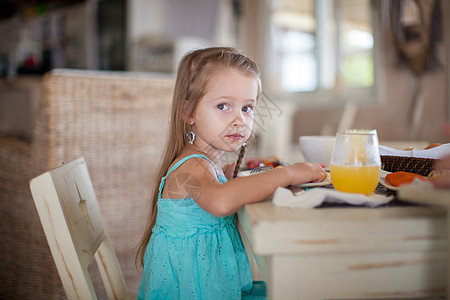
(70, 216)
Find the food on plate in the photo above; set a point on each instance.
(400, 178)
(438, 173)
(262, 161)
(432, 146)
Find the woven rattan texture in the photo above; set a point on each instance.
(118, 122)
(418, 165)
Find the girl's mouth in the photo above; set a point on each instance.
(234, 137)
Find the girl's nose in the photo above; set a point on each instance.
(238, 121)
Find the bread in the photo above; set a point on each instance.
(438, 173)
(432, 146)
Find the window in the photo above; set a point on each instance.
(321, 47)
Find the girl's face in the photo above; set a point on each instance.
(223, 118)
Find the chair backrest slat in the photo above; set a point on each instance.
(79, 204)
(70, 216)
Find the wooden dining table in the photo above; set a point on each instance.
(398, 250)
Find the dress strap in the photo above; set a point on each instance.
(179, 163)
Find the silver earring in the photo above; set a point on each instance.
(191, 137)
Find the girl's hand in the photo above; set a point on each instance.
(306, 172)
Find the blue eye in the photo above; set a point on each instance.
(222, 106)
(247, 109)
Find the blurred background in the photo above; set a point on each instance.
(327, 65)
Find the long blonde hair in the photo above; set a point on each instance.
(194, 71)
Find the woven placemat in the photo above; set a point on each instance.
(418, 165)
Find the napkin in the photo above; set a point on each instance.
(435, 153)
(423, 192)
(315, 197)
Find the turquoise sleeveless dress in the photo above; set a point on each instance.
(195, 255)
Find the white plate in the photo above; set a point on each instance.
(384, 183)
(243, 173)
(327, 181)
(389, 186)
(248, 172)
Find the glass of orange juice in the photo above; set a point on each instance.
(355, 162)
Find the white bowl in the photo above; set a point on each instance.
(317, 148)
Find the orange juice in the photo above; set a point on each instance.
(359, 179)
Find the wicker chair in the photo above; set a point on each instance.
(117, 121)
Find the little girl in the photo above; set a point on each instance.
(191, 248)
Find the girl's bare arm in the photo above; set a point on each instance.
(225, 199)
